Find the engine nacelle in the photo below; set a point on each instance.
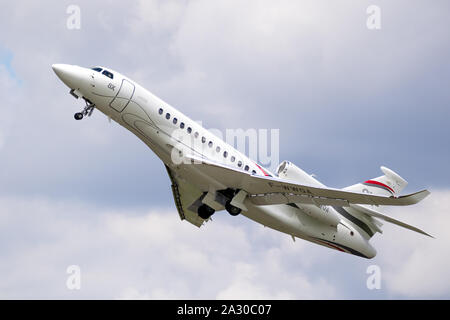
(288, 170)
(325, 214)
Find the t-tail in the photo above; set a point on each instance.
(390, 184)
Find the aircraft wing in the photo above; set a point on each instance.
(272, 190)
(185, 195)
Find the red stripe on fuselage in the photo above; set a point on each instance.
(263, 171)
(330, 245)
(380, 184)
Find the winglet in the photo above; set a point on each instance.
(414, 198)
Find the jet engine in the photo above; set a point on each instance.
(324, 214)
(289, 171)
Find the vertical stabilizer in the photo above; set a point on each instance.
(389, 184)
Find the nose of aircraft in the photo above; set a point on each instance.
(72, 76)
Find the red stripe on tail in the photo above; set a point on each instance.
(380, 184)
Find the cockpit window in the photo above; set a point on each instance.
(97, 69)
(108, 74)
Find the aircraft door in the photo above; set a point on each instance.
(123, 96)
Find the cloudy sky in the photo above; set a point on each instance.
(345, 98)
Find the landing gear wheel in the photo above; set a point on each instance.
(87, 111)
(205, 211)
(234, 211)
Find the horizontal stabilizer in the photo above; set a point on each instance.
(379, 215)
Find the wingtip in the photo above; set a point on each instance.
(415, 197)
(423, 194)
(429, 235)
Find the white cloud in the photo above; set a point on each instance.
(137, 254)
(415, 266)
(156, 16)
(133, 294)
(277, 49)
(255, 281)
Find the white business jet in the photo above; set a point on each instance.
(209, 175)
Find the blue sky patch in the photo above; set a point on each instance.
(6, 57)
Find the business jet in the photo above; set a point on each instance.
(209, 175)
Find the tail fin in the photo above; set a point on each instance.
(390, 184)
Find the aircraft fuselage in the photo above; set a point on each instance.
(167, 131)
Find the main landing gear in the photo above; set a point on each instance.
(87, 111)
(205, 211)
(230, 194)
(234, 211)
(224, 197)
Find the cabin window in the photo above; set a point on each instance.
(232, 158)
(246, 168)
(203, 139)
(189, 130)
(167, 116)
(225, 154)
(239, 163)
(210, 144)
(182, 125)
(196, 134)
(175, 120)
(253, 172)
(217, 149)
(160, 111)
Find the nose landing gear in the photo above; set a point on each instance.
(87, 111)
